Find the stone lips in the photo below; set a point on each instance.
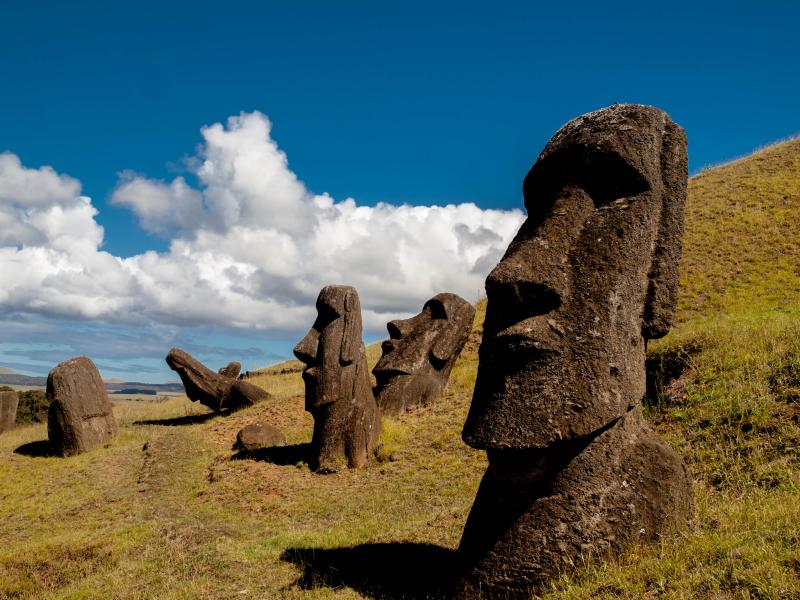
(338, 393)
(80, 416)
(591, 276)
(221, 391)
(420, 353)
(8, 409)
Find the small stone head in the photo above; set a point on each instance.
(591, 275)
(420, 352)
(332, 347)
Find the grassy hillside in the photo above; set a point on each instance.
(170, 511)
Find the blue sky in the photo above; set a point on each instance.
(403, 103)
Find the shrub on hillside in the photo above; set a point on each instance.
(32, 407)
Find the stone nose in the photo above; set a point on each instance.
(398, 329)
(513, 299)
(306, 349)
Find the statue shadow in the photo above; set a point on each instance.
(178, 421)
(399, 570)
(278, 455)
(37, 449)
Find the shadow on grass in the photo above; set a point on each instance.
(278, 455)
(177, 421)
(400, 570)
(38, 448)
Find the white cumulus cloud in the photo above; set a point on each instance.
(250, 246)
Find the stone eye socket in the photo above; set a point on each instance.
(394, 331)
(438, 311)
(325, 316)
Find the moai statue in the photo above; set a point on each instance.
(221, 391)
(420, 353)
(80, 416)
(8, 409)
(574, 470)
(347, 422)
(231, 370)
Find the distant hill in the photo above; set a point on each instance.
(19, 379)
(144, 388)
(112, 386)
(6, 371)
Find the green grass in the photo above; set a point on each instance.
(164, 511)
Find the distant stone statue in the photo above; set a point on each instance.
(347, 422)
(420, 353)
(222, 391)
(231, 370)
(8, 409)
(574, 469)
(80, 416)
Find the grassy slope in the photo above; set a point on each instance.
(164, 511)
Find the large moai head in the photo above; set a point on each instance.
(337, 387)
(420, 353)
(590, 277)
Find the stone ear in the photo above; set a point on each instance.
(662, 289)
(449, 342)
(351, 336)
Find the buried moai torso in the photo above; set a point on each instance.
(420, 353)
(337, 387)
(220, 391)
(8, 409)
(591, 275)
(80, 416)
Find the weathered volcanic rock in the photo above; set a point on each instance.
(536, 510)
(80, 416)
(591, 276)
(218, 391)
(259, 435)
(420, 353)
(338, 394)
(8, 410)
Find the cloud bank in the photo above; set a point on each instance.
(249, 247)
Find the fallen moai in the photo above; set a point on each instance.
(574, 469)
(8, 409)
(338, 393)
(259, 435)
(420, 353)
(80, 416)
(221, 391)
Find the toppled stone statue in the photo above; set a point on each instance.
(574, 469)
(8, 409)
(80, 416)
(338, 392)
(222, 391)
(257, 436)
(420, 353)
